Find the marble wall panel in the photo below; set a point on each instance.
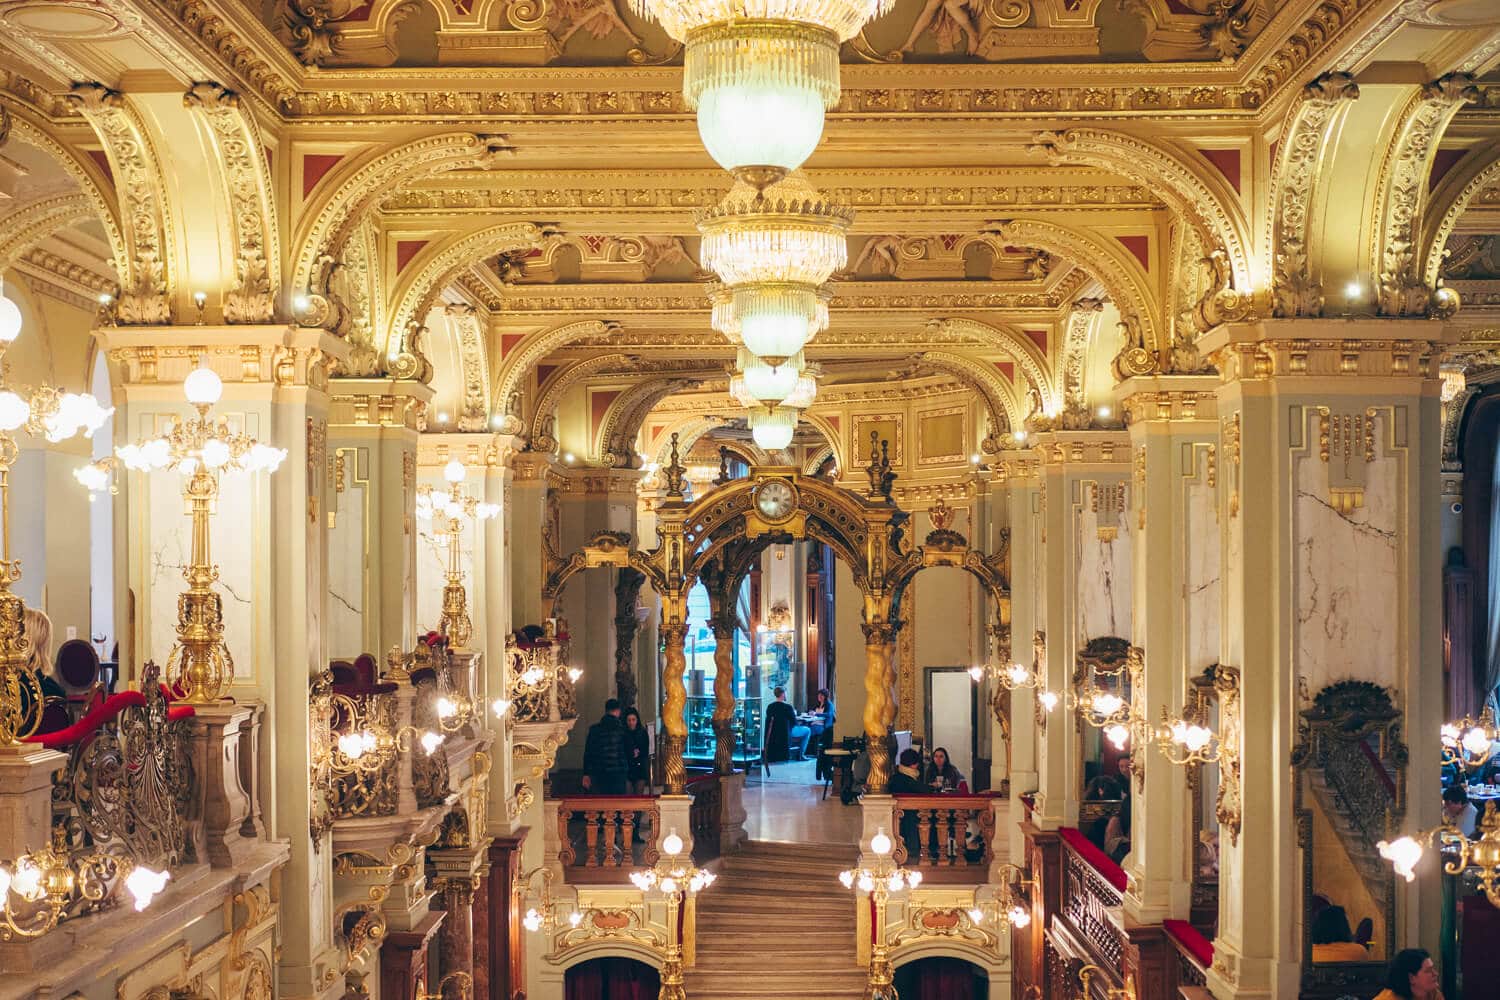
(1102, 570)
(1201, 569)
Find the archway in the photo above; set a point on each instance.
(611, 978)
(941, 978)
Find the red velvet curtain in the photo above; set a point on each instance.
(612, 979)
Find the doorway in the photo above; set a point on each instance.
(952, 716)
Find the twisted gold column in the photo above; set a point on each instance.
(879, 706)
(724, 693)
(673, 718)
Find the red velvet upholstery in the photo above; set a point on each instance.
(1101, 862)
(95, 720)
(612, 979)
(1194, 943)
(367, 668)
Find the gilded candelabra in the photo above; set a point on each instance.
(55, 415)
(203, 449)
(42, 887)
(454, 505)
(543, 916)
(1000, 904)
(1481, 855)
(1469, 744)
(879, 880)
(676, 878)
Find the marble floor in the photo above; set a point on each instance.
(789, 807)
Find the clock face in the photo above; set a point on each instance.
(775, 500)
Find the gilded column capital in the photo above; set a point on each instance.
(1093, 447)
(1330, 348)
(378, 402)
(273, 356)
(1168, 398)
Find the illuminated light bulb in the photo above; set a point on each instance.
(846, 877)
(532, 920)
(440, 499)
(669, 885)
(914, 879)
(575, 918)
(976, 915)
(500, 706)
(1403, 854)
(200, 299)
(880, 843)
(1107, 704)
(300, 303)
(203, 387)
(1048, 700)
(1019, 915)
(14, 411)
(974, 459)
(1450, 734)
(187, 466)
(709, 878)
(10, 320)
(672, 844)
(533, 675)
(442, 418)
(1019, 675)
(92, 477)
(574, 673)
(976, 673)
(27, 881)
(144, 884)
(1195, 738)
(1118, 735)
(866, 883)
(263, 457)
(643, 880)
(4, 886)
(431, 741)
(773, 428)
(215, 453)
(446, 708)
(570, 458)
(1476, 742)
(1104, 412)
(1020, 435)
(454, 471)
(895, 883)
(351, 745)
(1354, 291)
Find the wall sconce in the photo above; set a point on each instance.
(1482, 856)
(48, 881)
(464, 981)
(1470, 744)
(544, 915)
(1000, 903)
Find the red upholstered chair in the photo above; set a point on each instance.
(77, 667)
(344, 674)
(368, 668)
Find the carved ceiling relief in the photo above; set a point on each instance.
(947, 257)
(543, 32)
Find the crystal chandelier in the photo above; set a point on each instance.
(760, 383)
(773, 251)
(772, 427)
(761, 74)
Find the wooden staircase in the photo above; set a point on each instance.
(777, 924)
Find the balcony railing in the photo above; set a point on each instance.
(600, 838)
(1193, 952)
(954, 835)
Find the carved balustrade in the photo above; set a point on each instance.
(956, 834)
(1191, 955)
(706, 816)
(599, 838)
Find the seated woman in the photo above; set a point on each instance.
(942, 776)
(820, 727)
(1412, 976)
(1332, 940)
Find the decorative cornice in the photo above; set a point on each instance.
(1329, 348)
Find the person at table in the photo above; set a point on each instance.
(781, 717)
(820, 722)
(1332, 940)
(606, 757)
(942, 776)
(1412, 976)
(907, 780)
(1459, 811)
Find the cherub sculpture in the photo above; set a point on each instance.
(948, 19)
(600, 17)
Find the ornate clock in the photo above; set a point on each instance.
(776, 500)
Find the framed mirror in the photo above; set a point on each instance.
(1202, 708)
(1349, 781)
(1102, 665)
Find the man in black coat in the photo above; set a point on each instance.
(606, 761)
(781, 720)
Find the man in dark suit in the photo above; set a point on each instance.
(781, 729)
(606, 763)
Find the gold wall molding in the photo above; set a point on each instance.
(1064, 448)
(1343, 348)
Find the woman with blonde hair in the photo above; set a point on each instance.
(39, 631)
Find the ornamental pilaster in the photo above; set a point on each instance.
(1175, 614)
(372, 448)
(1330, 562)
(1083, 567)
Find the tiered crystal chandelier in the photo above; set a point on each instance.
(761, 74)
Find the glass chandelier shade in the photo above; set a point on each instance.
(789, 235)
(761, 74)
(760, 382)
(773, 427)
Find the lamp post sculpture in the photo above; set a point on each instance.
(55, 415)
(880, 880)
(454, 505)
(203, 449)
(676, 878)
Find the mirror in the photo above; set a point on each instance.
(1102, 665)
(1202, 708)
(1349, 793)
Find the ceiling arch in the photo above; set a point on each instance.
(1448, 202)
(36, 220)
(525, 356)
(544, 412)
(435, 266)
(615, 442)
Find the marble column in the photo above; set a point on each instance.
(1083, 562)
(506, 944)
(455, 897)
(525, 520)
(1017, 487)
(269, 542)
(1329, 508)
(404, 959)
(1175, 612)
(372, 445)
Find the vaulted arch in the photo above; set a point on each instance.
(614, 444)
(542, 433)
(1120, 273)
(36, 220)
(341, 199)
(1028, 357)
(435, 266)
(982, 376)
(524, 357)
(1448, 202)
(1197, 192)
